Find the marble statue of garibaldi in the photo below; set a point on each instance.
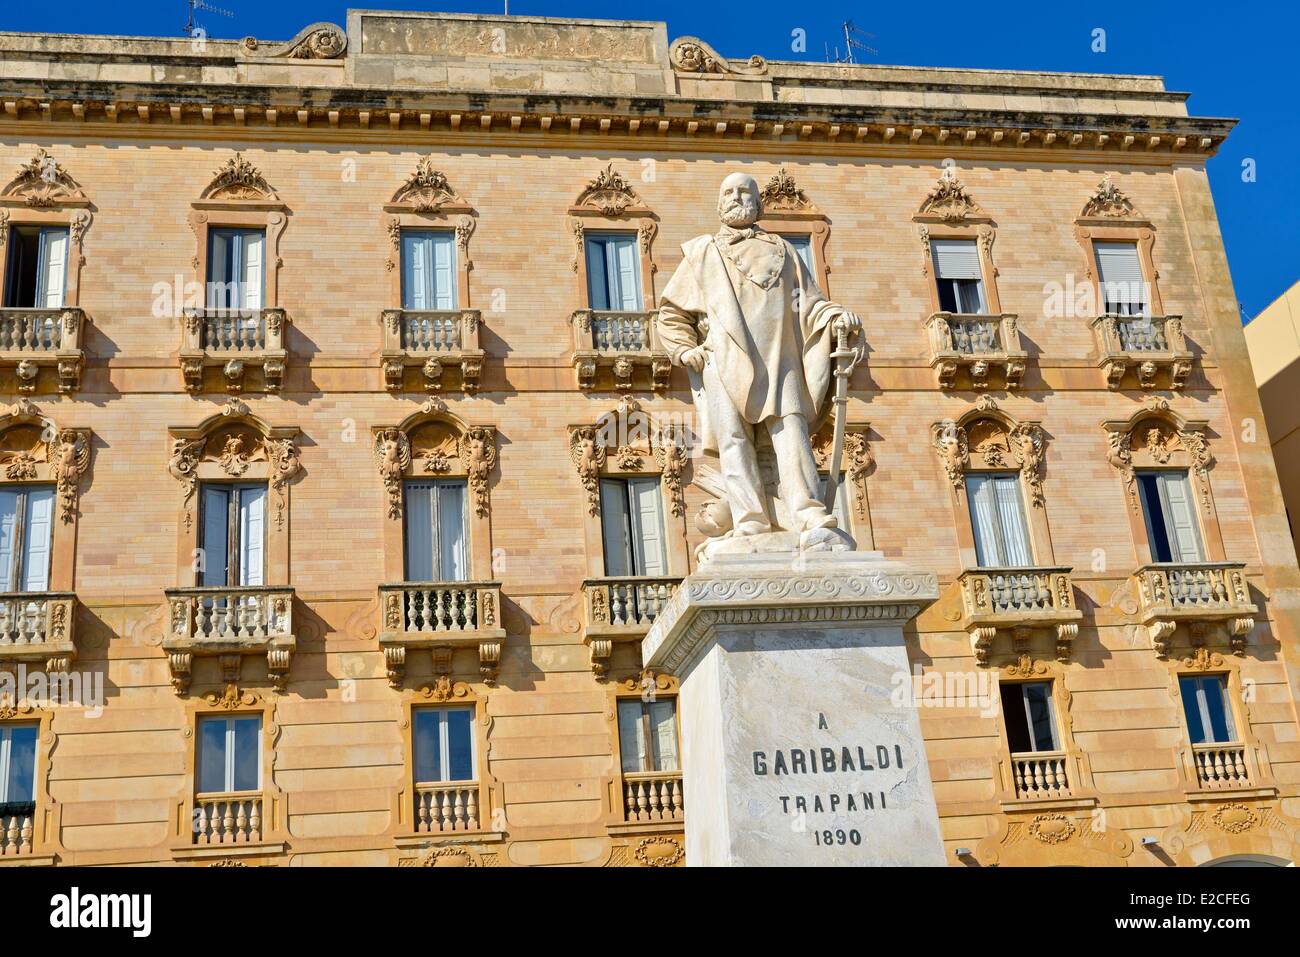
(745, 317)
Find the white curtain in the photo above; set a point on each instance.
(1015, 537)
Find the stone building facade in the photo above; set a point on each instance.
(331, 551)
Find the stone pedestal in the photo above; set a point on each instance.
(800, 744)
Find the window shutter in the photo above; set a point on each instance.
(956, 258)
(460, 743)
(443, 249)
(8, 535)
(428, 752)
(246, 768)
(413, 270)
(54, 267)
(1120, 270)
(219, 251)
(252, 243)
(419, 532)
(252, 535)
(451, 532)
(36, 539)
(216, 530)
(631, 736)
(1015, 537)
(663, 725)
(212, 756)
(626, 288)
(615, 526)
(1180, 517)
(648, 527)
(597, 281)
(19, 785)
(983, 514)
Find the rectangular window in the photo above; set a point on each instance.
(1123, 288)
(957, 272)
(17, 768)
(1030, 717)
(232, 534)
(632, 522)
(443, 739)
(802, 244)
(436, 540)
(26, 525)
(613, 272)
(236, 269)
(647, 734)
(428, 269)
(1205, 703)
(1170, 512)
(38, 267)
(230, 755)
(1001, 538)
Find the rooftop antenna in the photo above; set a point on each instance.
(190, 25)
(852, 42)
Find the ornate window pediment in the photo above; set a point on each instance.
(427, 190)
(781, 194)
(43, 183)
(609, 194)
(239, 180)
(949, 202)
(1108, 201)
(434, 443)
(627, 441)
(1156, 436)
(987, 439)
(34, 449)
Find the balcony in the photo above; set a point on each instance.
(620, 342)
(1152, 346)
(228, 818)
(621, 609)
(32, 338)
(440, 616)
(17, 830)
(446, 807)
(1018, 600)
(433, 341)
(233, 340)
(1040, 775)
(985, 346)
(37, 626)
(1198, 594)
(229, 623)
(1220, 766)
(653, 796)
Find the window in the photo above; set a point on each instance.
(38, 267)
(25, 528)
(444, 744)
(1030, 717)
(235, 269)
(631, 514)
(613, 272)
(1001, 539)
(230, 755)
(17, 769)
(957, 271)
(233, 535)
(1123, 288)
(428, 269)
(1170, 516)
(1205, 703)
(802, 244)
(435, 531)
(647, 735)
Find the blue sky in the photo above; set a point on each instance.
(1235, 60)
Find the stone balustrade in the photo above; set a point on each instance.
(34, 338)
(653, 796)
(440, 615)
(1220, 766)
(37, 626)
(1017, 599)
(982, 345)
(228, 818)
(230, 623)
(1149, 345)
(16, 830)
(451, 806)
(621, 342)
(234, 340)
(432, 340)
(621, 609)
(1040, 775)
(1198, 594)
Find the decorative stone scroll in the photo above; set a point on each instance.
(427, 190)
(949, 201)
(434, 443)
(42, 183)
(34, 449)
(319, 41)
(238, 179)
(1158, 437)
(1108, 201)
(627, 441)
(609, 194)
(986, 438)
(693, 55)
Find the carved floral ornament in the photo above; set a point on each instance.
(949, 202)
(987, 438)
(782, 194)
(693, 55)
(33, 448)
(435, 442)
(609, 194)
(1108, 201)
(856, 459)
(426, 190)
(235, 444)
(238, 179)
(1156, 436)
(42, 183)
(318, 41)
(627, 440)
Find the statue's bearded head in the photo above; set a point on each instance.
(739, 204)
